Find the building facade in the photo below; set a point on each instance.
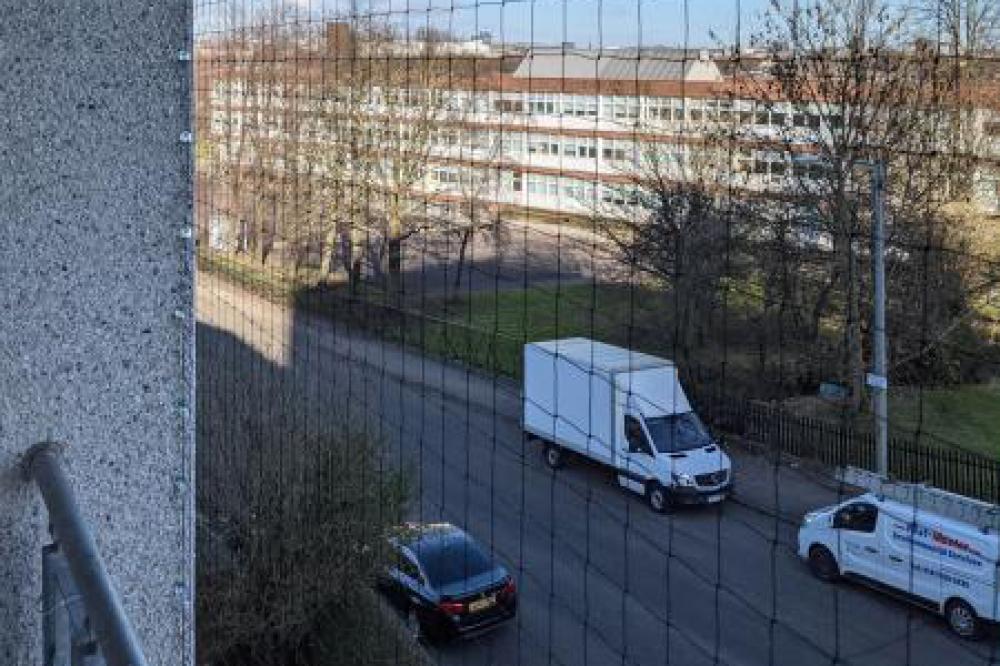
(543, 131)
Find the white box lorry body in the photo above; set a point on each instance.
(626, 410)
(936, 548)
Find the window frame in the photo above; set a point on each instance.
(854, 506)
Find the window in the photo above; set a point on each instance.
(579, 106)
(407, 567)
(508, 105)
(635, 436)
(695, 110)
(725, 111)
(513, 146)
(543, 104)
(856, 517)
(679, 432)
(615, 150)
(453, 560)
(579, 148)
(658, 109)
(543, 145)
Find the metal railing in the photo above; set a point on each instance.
(84, 622)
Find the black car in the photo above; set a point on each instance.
(445, 584)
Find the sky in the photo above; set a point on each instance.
(605, 22)
(592, 23)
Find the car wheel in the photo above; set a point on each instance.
(554, 456)
(658, 498)
(823, 564)
(962, 619)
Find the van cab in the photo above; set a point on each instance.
(945, 563)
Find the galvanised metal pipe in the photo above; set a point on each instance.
(114, 632)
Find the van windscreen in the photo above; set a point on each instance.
(678, 432)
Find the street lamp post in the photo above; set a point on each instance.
(877, 379)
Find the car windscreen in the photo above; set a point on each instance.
(678, 432)
(451, 560)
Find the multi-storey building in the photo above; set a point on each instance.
(565, 130)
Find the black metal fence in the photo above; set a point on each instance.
(836, 445)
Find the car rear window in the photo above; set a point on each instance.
(451, 560)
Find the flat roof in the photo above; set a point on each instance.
(600, 355)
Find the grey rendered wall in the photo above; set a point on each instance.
(96, 325)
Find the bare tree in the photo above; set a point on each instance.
(465, 208)
(852, 90)
(380, 106)
(669, 223)
(965, 36)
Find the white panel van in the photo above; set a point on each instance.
(945, 562)
(626, 410)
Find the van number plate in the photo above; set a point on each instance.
(482, 604)
(712, 499)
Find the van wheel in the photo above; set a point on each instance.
(823, 564)
(658, 498)
(554, 456)
(962, 619)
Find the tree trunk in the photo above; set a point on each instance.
(394, 249)
(854, 365)
(466, 237)
(819, 306)
(353, 258)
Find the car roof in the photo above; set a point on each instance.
(428, 536)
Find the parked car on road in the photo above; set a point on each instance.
(445, 584)
(929, 546)
(625, 410)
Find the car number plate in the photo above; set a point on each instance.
(712, 499)
(482, 604)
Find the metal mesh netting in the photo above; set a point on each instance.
(778, 224)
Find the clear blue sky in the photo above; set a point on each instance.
(611, 22)
(585, 22)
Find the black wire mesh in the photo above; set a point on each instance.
(394, 198)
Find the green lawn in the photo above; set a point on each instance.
(965, 415)
(472, 327)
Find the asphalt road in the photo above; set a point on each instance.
(602, 579)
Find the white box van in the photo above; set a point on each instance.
(626, 410)
(936, 548)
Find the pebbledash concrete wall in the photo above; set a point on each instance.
(96, 294)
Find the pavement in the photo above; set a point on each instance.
(527, 253)
(602, 579)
